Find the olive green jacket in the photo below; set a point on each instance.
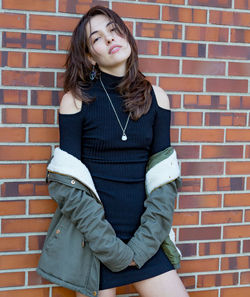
(79, 236)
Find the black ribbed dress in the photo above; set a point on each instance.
(93, 135)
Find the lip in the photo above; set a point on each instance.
(114, 48)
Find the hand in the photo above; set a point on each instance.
(132, 263)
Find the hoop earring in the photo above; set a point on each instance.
(92, 74)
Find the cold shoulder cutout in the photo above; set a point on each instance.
(69, 104)
(161, 98)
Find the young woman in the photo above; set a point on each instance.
(115, 175)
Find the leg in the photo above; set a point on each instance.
(101, 293)
(164, 285)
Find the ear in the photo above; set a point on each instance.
(91, 60)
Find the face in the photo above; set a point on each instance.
(107, 47)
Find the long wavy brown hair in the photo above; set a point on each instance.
(134, 88)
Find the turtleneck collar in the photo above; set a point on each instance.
(110, 81)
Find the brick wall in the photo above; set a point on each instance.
(198, 51)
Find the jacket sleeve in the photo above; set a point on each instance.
(88, 217)
(156, 221)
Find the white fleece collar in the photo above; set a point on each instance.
(65, 163)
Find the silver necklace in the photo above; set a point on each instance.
(124, 136)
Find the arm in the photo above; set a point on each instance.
(156, 221)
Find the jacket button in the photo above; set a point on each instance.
(94, 293)
(58, 231)
(73, 182)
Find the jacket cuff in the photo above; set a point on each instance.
(139, 256)
(129, 257)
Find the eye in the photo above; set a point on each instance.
(96, 39)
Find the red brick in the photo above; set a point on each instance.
(183, 49)
(227, 85)
(206, 33)
(221, 217)
(234, 263)
(38, 5)
(248, 151)
(12, 59)
(239, 69)
(60, 80)
(29, 40)
(12, 208)
(240, 35)
(238, 135)
(188, 282)
(44, 97)
(219, 151)
(230, 18)
(35, 279)
(187, 151)
(228, 52)
(199, 201)
(174, 135)
(186, 84)
(203, 67)
(79, 6)
(223, 184)
(242, 4)
(27, 78)
(146, 47)
(36, 242)
(191, 185)
(136, 10)
(25, 152)
(199, 233)
(64, 42)
(12, 134)
(47, 206)
(25, 225)
(217, 248)
(187, 118)
(12, 244)
(202, 135)
(159, 65)
(246, 246)
(247, 216)
(62, 292)
(37, 170)
(217, 280)
(205, 102)
(12, 170)
(166, 1)
(191, 266)
(19, 261)
(235, 292)
(204, 293)
(41, 292)
(225, 119)
(248, 183)
(13, 189)
(171, 31)
(240, 102)
(29, 116)
(44, 135)
(236, 231)
(52, 23)
(12, 21)
(238, 168)
(188, 249)
(239, 199)
(185, 15)
(12, 279)
(245, 278)
(201, 168)
(213, 3)
(175, 100)
(46, 60)
(185, 218)
(9, 97)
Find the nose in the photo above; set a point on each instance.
(109, 38)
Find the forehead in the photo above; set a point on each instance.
(97, 23)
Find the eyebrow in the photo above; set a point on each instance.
(109, 23)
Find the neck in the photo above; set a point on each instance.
(116, 71)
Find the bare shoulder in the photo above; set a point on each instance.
(69, 104)
(161, 97)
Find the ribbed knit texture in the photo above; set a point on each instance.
(118, 167)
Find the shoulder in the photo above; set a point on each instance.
(69, 104)
(161, 97)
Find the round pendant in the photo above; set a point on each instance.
(124, 137)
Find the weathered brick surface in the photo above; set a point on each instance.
(198, 52)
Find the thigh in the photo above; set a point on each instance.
(101, 293)
(167, 284)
